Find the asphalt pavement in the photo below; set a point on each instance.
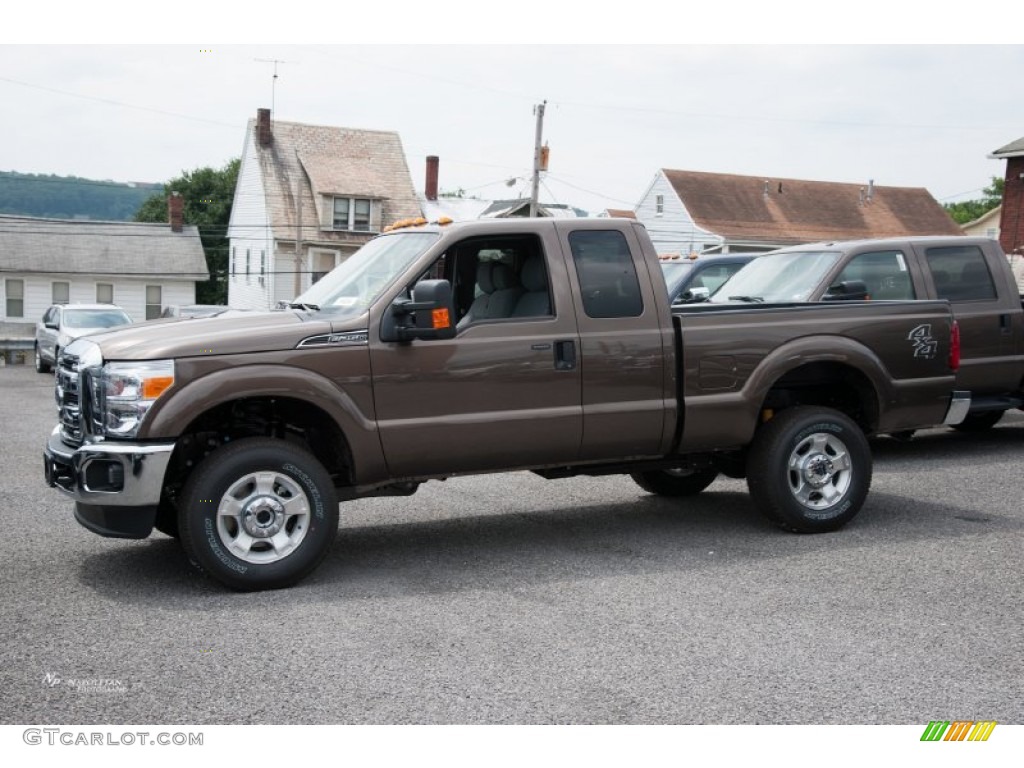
(511, 599)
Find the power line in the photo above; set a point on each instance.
(118, 103)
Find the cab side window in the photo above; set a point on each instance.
(884, 274)
(960, 273)
(496, 278)
(607, 274)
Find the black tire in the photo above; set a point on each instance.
(979, 422)
(792, 473)
(284, 514)
(672, 482)
(41, 365)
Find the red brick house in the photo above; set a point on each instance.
(1011, 222)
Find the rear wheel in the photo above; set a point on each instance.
(979, 422)
(675, 482)
(809, 469)
(258, 513)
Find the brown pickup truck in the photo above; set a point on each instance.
(492, 346)
(972, 273)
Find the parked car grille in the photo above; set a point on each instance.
(67, 392)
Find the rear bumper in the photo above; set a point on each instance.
(959, 405)
(116, 486)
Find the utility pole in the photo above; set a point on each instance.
(538, 110)
(273, 82)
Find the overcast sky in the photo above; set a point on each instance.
(920, 115)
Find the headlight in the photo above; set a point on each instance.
(128, 390)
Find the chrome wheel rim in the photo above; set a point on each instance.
(820, 471)
(263, 517)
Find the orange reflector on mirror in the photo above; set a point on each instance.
(441, 318)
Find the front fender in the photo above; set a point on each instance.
(170, 416)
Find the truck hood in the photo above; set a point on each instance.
(203, 337)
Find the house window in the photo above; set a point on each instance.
(992, 233)
(352, 213)
(154, 301)
(15, 298)
(263, 263)
(233, 254)
(104, 293)
(61, 293)
(247, 256)
(659, 205)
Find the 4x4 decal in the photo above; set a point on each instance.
(924, 344)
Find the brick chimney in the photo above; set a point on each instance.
(263, 132)
(433, 163)
(1011, 220)
(176, 211)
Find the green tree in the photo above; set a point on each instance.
(969, 210)
(208, 194)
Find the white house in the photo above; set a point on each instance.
(986, 225)
(140, 267)
(695, 212)
(327, 189)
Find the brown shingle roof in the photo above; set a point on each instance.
(343, 161)
(794, 210)
(620, 213)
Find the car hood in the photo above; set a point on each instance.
(210, 336)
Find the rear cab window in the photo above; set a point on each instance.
(960, 273)
(604, 266)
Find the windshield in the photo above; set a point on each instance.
(356, 283)
(675, 273)
(777, 277)
(94, 318)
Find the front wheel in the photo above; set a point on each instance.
(41, 365)
(809, 469)
(675, 482)
(258, 513)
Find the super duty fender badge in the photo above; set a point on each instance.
(922, 341)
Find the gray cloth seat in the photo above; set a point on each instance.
(535, 301)
(500, 290)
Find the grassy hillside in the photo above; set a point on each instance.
(70, 197)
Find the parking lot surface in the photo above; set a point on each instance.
(511, 599)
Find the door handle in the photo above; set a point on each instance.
(565, 355)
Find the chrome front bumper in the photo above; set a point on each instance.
(107, 474)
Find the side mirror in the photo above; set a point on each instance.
(51, 325)
(848, 290)
(693, 295)
(430, 314)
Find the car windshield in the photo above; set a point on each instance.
(94, 318)
(777, 278)
(675, 273)
(356, 283)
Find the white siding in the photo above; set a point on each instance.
(252, 290)
(249, 228)
(129, 294)
(674, 231)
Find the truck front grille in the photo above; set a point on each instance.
(69, 410)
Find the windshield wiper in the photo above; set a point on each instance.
(307, 307)
(748, 299)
